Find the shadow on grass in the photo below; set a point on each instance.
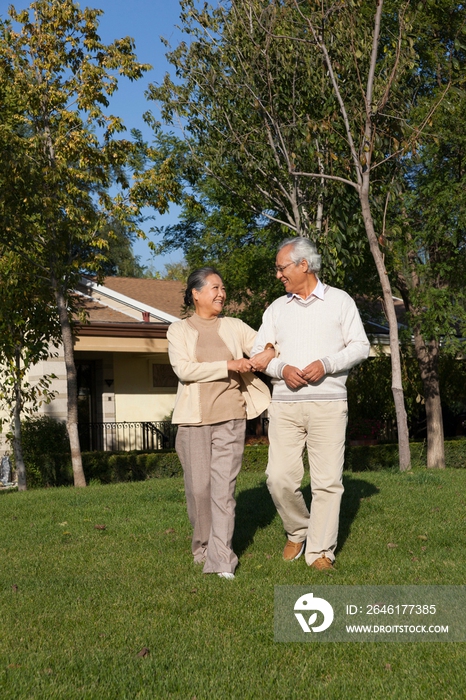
(254, 511)
(355, 490)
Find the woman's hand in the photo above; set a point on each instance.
(242, 365)
(260, 361)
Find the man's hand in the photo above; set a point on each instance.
(261, 360)
(314, 371)
(293, 377)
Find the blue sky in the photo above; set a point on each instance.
(146, 21)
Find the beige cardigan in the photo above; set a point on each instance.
(182, 341)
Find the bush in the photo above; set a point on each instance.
(370, 394)
(46, 452)
(455, 453)
(110, 467)
(377, 457)
(44, 468)
(371, 457)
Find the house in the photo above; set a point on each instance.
(126, 385)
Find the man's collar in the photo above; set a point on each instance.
(318, 291)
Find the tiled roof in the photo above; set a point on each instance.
(166, 295)
(96, 312)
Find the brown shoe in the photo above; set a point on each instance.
(293, 550)
(323, 563)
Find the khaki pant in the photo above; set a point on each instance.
(211, 457)
(321, 426)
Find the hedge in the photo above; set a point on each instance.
(114, 467)
(111, 467)
(377, 457)
(108, 468)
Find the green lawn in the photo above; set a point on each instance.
(79, 603)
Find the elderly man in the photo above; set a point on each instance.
(319, 335)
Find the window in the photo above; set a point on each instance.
(163, 376)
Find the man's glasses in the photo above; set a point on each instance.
(280, 268)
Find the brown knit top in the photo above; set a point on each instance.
(221, 400)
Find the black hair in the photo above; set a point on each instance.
(196, 280)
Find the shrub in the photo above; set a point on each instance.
(110, 467)
(46, 452)
(364, 429)
(455, 453)
(48, 469)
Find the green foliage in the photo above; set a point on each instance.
(28, 326)
(370, 394)
(108, 467)
(57, 201)
(176, 271)
(283, 116)
(285, 105)
(360, 458)
(243, 254)
(372, 457)
(46, 452)
(370, 397)
(67, 173)
(364, 429)
(455, 453)
(48, 462)
(244, 142)
(120, 259)
(426, 243)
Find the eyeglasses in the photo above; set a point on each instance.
(280, 268)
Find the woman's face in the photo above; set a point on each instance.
(209, 300)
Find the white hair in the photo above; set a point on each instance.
(303, 249)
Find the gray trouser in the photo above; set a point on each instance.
(211, 457)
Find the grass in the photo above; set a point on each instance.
(78, 603)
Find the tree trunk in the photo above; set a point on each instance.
(72, 387)
(17, 445)
(427, 357)
(397, 385)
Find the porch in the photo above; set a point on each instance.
(125, 436)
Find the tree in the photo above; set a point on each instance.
(68, 154)
(176, 271)
(28, 328)
(289, 104)
(215, 229)
(426, 248)
(212, 231)
(120, 259)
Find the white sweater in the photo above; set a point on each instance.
(328, 329)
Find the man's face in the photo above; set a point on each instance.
(293, 277)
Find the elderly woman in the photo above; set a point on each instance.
(216, 392)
